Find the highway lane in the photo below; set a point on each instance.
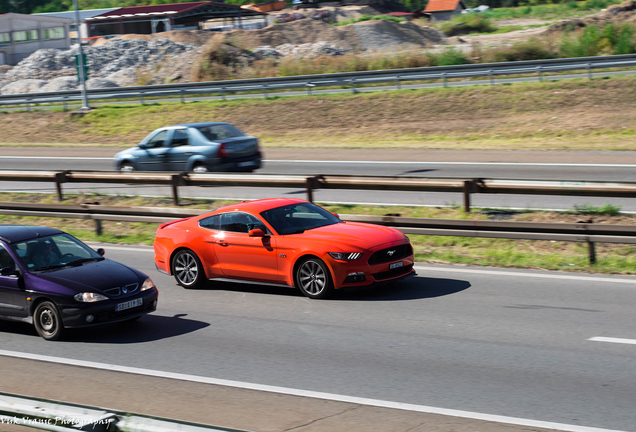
(504, 342)
(609, 168)
(454, 169)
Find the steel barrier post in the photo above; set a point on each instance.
(98, 227)
(64, 103)
(265, 91)
(59, 179)
(539, 73)
(182, 96)
(309, 86)
(589, 71)
(467, 188)
(444, 77)
(398, 84)
(591, 251)
(141, 97)
(492, 81)
(223, 93)
(353, 86)
(175, 181)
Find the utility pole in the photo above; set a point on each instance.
(80, 61)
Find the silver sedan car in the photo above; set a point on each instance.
(198, 147)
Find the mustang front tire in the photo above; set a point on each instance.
(47, 321)
(188, 270)
(313, 278)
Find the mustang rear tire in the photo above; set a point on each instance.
(188, 270)
(313, 278)
(47, 321)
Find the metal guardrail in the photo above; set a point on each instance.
(577, 232)
(351, 79)
(311, 183)
(58, 416)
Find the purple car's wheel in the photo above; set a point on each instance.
(47, 321)
(313, 278)
(187, 270)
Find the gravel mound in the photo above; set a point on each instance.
(311, 50)
(383, 34)
(103, 60)
(24, 86)
(61, 84)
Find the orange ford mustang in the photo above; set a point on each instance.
(284, 242)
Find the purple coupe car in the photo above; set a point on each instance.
(54, 281)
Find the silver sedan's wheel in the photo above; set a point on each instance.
(126, 167)
(187, 270)
(313, 278)
(47, 321)
(200, 168)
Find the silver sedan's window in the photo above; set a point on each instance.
(157, 140)
(220, 132)
(180, 138)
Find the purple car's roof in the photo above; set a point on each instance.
(16, 233)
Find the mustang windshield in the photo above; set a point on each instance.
(297, 218)
(59, 250)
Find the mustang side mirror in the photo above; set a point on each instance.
(101, 251)
(257, 232)
(336, 215)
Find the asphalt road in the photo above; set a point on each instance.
(500, 342)
(567, 166)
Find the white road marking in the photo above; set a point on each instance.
(57, 157)
(452, 163)
(425, 269)
(368, 162)
(307, 393)
(613, 340)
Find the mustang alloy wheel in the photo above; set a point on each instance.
(47, 321)
(187, 270)
(313, 278)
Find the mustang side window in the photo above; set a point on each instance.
(240, 222)
(212, 222)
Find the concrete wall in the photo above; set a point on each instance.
(14, 51)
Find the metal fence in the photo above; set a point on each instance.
(588, 233)
(310, 183)
(350, 79)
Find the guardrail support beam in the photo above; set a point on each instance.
(591, 251)
(175, 182)
(59, 179)
(467, 189)
(311, 184)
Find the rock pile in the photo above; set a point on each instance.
(311, 49)
(103, 61)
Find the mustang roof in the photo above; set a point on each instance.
(16, 233)
(261, 204)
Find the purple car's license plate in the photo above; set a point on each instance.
(129, 304)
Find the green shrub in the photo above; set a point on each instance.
(528, 50)
(468, 23)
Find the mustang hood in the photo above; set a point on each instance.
(360, 235)
(93, 276)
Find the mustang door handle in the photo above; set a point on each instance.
(221, 242)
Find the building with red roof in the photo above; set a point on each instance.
(443, 10)
(165, 17)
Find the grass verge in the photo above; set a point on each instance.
(545, 255)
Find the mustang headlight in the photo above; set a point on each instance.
(148, 284)
(345, 256)
(89, 297)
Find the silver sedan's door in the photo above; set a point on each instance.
(180, 150)
(153, 155)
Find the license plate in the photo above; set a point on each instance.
(129, 304)
(244, 164)
(396, 265)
